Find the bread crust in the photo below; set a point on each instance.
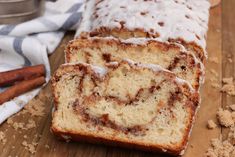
(192, 104)
(68, 136)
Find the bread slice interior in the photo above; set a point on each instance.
(99, 51)
(125, 104)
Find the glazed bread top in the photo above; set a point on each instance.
(167, 20)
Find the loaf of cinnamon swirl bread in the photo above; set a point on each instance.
(133, 74)
(173, 57)
(126, 104)
(182, 21)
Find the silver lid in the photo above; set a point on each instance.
(16, 11)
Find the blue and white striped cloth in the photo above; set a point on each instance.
(29, 43)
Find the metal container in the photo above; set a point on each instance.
(16, 11)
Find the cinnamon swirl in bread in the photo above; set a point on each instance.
(182, 21)
(99, 51)
(125, 104)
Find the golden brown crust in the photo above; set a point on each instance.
(192, 104)
(67, 136)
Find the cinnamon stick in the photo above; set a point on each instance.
(9, 77)
(21, 88)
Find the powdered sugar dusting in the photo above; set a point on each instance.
(154, 67)
(99, 70)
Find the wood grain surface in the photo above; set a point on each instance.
(221, 43)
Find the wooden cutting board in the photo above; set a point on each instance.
(220, 39)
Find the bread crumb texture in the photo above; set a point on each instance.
(214, 60)
(47, 146)
(228, 86)
(225, 117)
(220, 148)
(30, 146)
(36, 109)
(230, 60)
(3, 139)
(214, 79)
(226, 147)
(20, 125)
(211, 124)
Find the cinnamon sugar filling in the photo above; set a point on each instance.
(101, 103)
(104, 119)
(100, 52)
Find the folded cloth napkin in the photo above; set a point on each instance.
(30, 42)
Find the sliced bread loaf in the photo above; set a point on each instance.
(125, 104)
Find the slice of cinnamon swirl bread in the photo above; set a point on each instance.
(125, 104)
(182, 21)
(99, 51)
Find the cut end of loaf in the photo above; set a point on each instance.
(128, 105)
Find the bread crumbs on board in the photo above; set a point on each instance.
(227, 80)
(211, 124)
(225, 117)
(219, 147)
(214, 60)
(20, 125)
(36, 107)
(230, 60)
(3, 139)
(228, 86)
(214, 80)
(30, 147)
(215, 85)
(214, 72)
(232, 107)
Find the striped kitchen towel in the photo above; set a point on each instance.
(30, 42)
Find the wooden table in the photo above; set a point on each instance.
(221, 43)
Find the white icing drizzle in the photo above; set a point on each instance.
(171, 19)
(98, 70)
(101, 71)
(154, 67)
(86, 23)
